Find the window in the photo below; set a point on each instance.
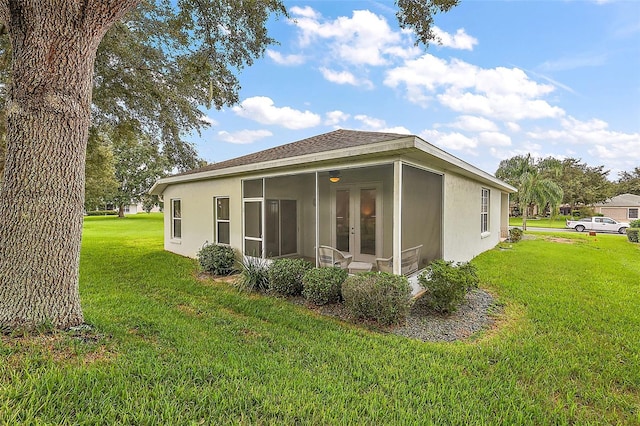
(222, 220)
(176, 219)
(484, 211)
(633, 213)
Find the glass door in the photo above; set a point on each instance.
(357, 224)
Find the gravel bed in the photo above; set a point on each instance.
(476, 313)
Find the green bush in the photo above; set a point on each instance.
(635, 223)
(633, 235)
(515, 235)
(285, 275)
(217, 259)
(379, 296)
(254, 275)
(323, 285)
(102, 213)
(446, 284)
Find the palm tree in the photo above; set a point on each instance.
(530, 178)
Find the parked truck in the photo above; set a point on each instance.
(598, 224)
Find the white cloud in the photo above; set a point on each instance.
(335, 117)
(460, 40)
(339, 77)
(244, 136)
(450, 141)
(210, 121)
(397, 129)
(471, 123)
(513, 127)
(364, 38)
(500, 93)
(493, 139)
(379, 125)
(289, 60)
(505, 107)
(370, 122)
(306, 12)
(262, 110)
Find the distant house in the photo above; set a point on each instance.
(621, 207)
(368, 194)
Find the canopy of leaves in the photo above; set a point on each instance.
(582, 184)
(532, 180)
(629, 182)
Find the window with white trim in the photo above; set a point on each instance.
(484, 211)
(176, 218)
(222, 220)
(633, 213)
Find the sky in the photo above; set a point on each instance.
(551, 78)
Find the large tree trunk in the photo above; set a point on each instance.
(48, 116)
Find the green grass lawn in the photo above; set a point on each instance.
(558, 222)
(169, 349)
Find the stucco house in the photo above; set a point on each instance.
(371, 195)
(623, 208)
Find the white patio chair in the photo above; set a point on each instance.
(409, 261)
(331, 257)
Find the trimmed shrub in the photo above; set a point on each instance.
(323, 285)
(635, 223)
(254, 275)
(102, 213)
(217, 259)
(379, 296)
(285, 275)
(515, 235)
(633, 235)
(446, 284)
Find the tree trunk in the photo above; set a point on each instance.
(121, 210)
(48, 116)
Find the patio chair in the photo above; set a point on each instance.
(331, 257)
(409, 261)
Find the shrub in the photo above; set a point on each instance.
(217, 259)
(446, 284)
(633, 235)
(102, 213)
(322, 285)
(254, 275)
(285, 275)
(515, 235)
(380, 296)
(635, 223)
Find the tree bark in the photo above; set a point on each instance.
(48, 115)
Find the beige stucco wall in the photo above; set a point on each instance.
(197, 213)
(461, 230)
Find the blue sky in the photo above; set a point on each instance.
(550, 78)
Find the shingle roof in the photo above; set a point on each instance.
(623, 200)
(326, 142)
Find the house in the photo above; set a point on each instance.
(623, 208)
(368, 194)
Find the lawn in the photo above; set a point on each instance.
(167, 348)
(545, 222)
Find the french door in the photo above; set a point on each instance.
(357, 221)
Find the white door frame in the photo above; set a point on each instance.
(354, 218)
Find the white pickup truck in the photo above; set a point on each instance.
(597, 223)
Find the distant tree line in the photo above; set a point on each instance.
(547, 183)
